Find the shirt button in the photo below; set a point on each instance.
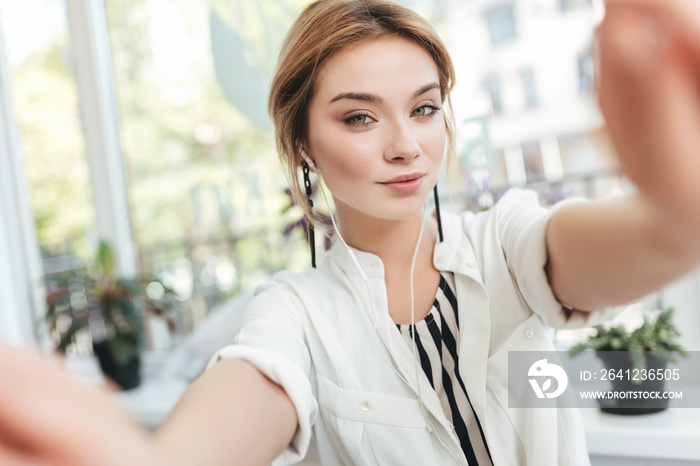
(364, 406)
(429, 428)
(529, 333)
(471, 265)
(441, 258)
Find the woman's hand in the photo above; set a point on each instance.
(48, 419)
(618, 250)
(650, 96)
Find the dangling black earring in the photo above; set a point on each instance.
(437, 212)
(312, 237)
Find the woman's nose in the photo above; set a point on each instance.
(402, 144)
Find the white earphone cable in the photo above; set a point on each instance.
(364, 279)
(429, 425)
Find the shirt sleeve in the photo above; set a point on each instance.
(271, 338)
(522, 225)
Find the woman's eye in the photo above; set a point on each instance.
(359, 120)
(425, 110)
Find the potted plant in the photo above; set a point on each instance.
(633, 356)
(107, 306)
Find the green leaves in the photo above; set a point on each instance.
(105, 259)
(113, 299)
(67, 338)
(658, 337)
(124, 346)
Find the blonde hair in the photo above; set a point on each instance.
(324, 28)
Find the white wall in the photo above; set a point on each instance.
(684, 295)
(549, 42)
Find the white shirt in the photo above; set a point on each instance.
(325, 336)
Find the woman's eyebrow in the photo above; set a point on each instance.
(426, 88)
(357, 96)
(363, 96)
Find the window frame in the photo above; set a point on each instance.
(21, 275)
(100, 124)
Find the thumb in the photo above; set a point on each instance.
(632, 44)
(685, 15)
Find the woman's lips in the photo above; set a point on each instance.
(405, 184)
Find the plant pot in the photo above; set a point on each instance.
(127, 376)
(620, 362)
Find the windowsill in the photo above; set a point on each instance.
(673, 434)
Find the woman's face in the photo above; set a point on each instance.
(376, 130)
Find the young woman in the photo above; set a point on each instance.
(393, 350)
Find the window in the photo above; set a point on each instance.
(527, 76)
(586, 73)
(45, 98)
(532, 159)
(566, 5)
(500, 20)
(206, 196)
(205, 185)
(492, 84)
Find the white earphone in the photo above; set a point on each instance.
(308, 160)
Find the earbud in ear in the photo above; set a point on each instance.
(308, 160)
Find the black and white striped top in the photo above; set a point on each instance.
(437, 340)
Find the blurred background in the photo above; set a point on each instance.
(141, 199)
(143, 123)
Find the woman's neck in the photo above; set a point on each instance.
(394, 241)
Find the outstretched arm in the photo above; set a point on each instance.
(232, 414)
(611, 252)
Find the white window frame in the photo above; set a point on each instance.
(100, 122)
(21, 275)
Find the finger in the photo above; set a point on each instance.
(631, 61)
(652, 93)
(683, 14)
(12, 457)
